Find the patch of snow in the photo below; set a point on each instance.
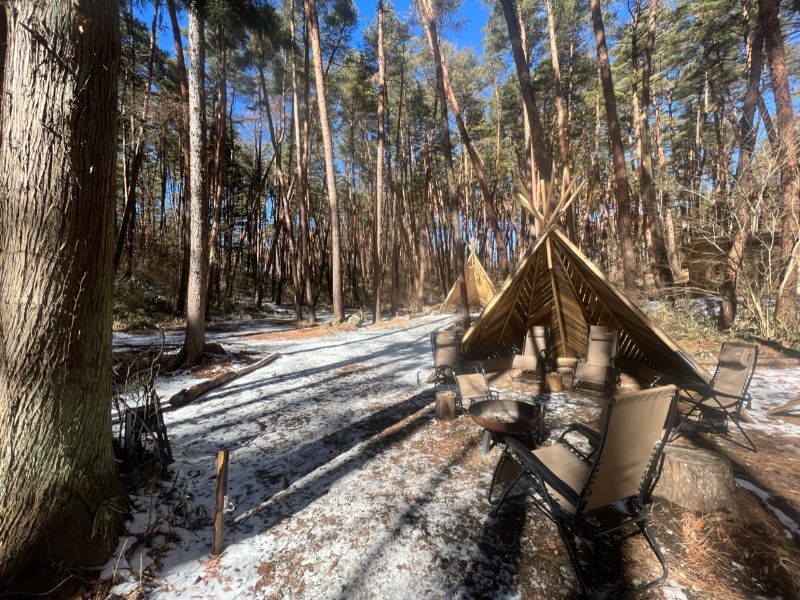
(338, 488)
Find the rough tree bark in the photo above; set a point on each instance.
(198, 221)
(56, 235)
(617, 155)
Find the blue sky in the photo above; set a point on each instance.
(474, 14)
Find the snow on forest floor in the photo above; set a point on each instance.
(344, 486)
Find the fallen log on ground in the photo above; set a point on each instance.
(787, 407)
(187, 395)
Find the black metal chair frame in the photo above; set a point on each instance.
(586, 526)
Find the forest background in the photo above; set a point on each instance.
(430, 143)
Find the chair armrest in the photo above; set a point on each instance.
(592, 436)
(536, 467)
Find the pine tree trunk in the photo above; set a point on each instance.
(128, 216)
(56, 238)
(662, 272)
(198, 269)
(617, 154)
(477, 164)
(744, 177)
(541, 157)
(312, 21)
(786, 306)
(183, 283)
(218, 190)
(563, 135)
(377, 207)
(429, 25)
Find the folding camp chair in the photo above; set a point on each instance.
(722, 400)
(595, 492)
(596, 373)
(446, 347)
(531, 365)
(474, 387)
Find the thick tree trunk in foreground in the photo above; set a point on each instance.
(198, 221)
(337, 298)
(56, 248)
(617, 154)
(786, 307)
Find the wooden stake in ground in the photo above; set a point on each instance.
(219, 503)
(187, 395)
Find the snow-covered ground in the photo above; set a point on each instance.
(338, 480)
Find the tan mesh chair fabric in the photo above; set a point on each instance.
(596, 373)
(600, 492)
(734, 370)
(530, 365)
(446, 357)
(635, 425)
(473, 386)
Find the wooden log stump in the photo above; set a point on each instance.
(695, 479)
(445, 406)
(553, 382)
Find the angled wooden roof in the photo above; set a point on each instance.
(555, 284)
(480, 289)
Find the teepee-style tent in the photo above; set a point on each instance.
(480, 288)
(556, 285)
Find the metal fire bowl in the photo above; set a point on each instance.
(517, 417)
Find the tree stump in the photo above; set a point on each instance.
(553, 382)
(445, 406)
(695, 479)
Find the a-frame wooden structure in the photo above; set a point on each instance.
(480, 289)
(555, 284)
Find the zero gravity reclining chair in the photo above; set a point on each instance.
(597, 372)
(446, 346)
(595, 492)
(721, 401)
(531, 365)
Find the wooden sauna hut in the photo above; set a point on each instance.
(555, 284)
(480, 289)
